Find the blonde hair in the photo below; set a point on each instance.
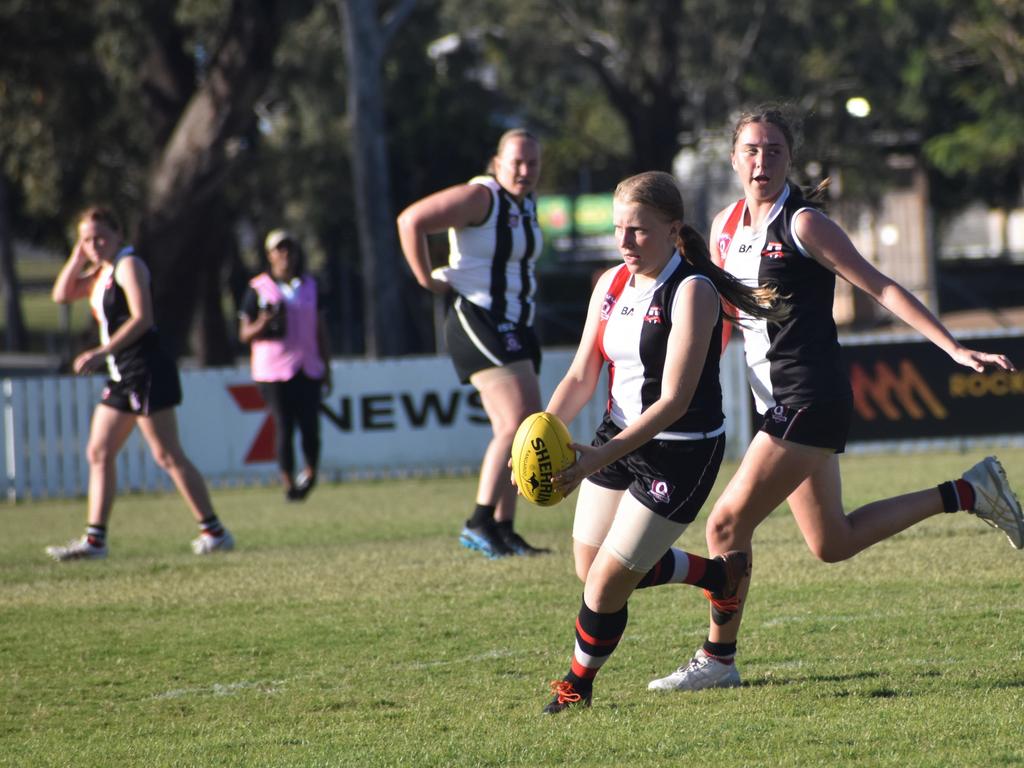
(659, 192)
(507, 136)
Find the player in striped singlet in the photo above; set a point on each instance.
(656, 320)
(775, 236)
(494, 240)
(142, 387)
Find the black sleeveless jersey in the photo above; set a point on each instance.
(797, 361)
(110, 308)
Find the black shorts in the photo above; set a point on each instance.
(672, 478)
(146, 392)
(476, 341)
(823, 424)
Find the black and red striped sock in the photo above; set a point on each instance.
(679, 567)
(957, 495)
(723, 652)
(597, 636)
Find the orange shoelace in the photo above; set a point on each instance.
(564, 692)
(725, 605)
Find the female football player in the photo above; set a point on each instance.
(494, 240)
(142, 387)
(775, 236)
(656, 319)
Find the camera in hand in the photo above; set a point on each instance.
(275, 327)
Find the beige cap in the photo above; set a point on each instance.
(277, 236)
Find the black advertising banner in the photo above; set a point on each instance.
(912, 390)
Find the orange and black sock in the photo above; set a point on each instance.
(211, 526)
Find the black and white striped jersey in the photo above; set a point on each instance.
(492, 264)
(109, 306)
(795, 362)
(633, 337)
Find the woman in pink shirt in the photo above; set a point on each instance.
(280, 319)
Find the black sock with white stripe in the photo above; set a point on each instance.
(211, 527)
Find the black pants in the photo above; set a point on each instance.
(295, 402)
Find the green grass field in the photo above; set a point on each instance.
(353, 631)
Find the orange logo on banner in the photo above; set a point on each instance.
(886, 388)
(249, 398)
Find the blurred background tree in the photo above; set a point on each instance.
(209, 122)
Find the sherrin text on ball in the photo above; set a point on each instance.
(539, 451)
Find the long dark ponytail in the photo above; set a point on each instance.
(660, 192)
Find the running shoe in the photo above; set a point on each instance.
(994, 500)
(518, 545)
(77, 549)
(565, 696)
(701, 672)
(206, 544)
(485, 540)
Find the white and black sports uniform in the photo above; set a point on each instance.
(794, 367)
(143, 377)
(491, 271)
(673, 473)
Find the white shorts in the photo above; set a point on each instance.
(618, 522)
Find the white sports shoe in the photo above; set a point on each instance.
(77, 549)
(206, 544)
(701, 672)
(994, 500)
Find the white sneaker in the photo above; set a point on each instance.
(701, 672)
(994, 500)
(77, 549)
(206, 544)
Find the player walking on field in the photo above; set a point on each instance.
(494, 240)
(657, 321)
(774, 236)
(143, 386)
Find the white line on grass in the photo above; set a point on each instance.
(222, 689)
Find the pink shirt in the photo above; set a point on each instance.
(281, 359)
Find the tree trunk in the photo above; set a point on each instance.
(16, 337)
(387, 316)
(184, 249)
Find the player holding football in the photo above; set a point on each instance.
(143, 386)
(657, 321)
(775, 236)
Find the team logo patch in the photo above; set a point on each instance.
(654, 315)
(606, 307)
(512, 342)
(106, 394)
(780, 414)
(513, 220)
(724, 241)
(660, 491)
(135, 402)
(772, 251)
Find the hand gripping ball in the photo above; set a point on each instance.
(541, 449)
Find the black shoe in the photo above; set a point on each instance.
(518, 545)
(293, 495)
(724, 602)
(565, 696)
(486, 540)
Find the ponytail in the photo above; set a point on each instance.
(761, 301)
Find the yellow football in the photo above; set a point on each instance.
(541, 449)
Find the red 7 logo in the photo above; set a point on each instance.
(248, 398)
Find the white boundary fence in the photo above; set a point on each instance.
(396, 417)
